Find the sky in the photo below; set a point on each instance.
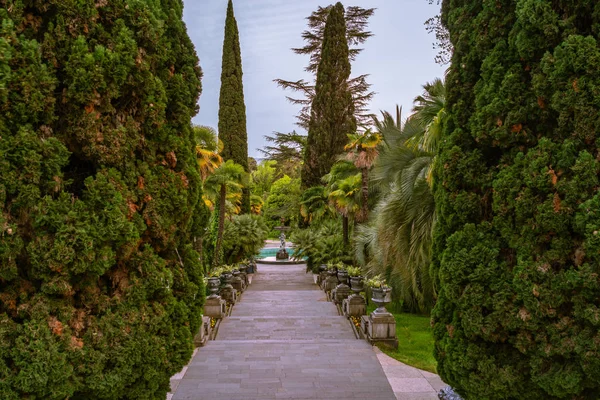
(399, 57)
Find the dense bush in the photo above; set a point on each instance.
(321, 244)
(517, 243)
(100, 290)
(243, 237)
(283, 202)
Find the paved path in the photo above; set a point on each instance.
(284, 341)
(409, 383)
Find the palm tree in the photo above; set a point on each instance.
(314, 204)
(208, 147)
(344, 184)
(231, 177)
(362, 151)
(398, 241)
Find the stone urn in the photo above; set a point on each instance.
(237, 281)
(355, 305)
(342, 276)
(357, 284)
(228, 293)
(226, 278)
(381, 297)
(213, 286)
(250, 267)
(322, 274)
(244, 274)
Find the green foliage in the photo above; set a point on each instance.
(287, 150)
(244, 237)
(100, 288)
(332, 112)
(232, 109)
(314, 205)
(224, 184)
(397, 241)
(516, 189)
(263, 178)
(415, 339)
(357, 20)
(354, 271)
(321, 244)
(283, 201)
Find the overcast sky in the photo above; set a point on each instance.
(399, 58)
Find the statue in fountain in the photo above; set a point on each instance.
(282, 254)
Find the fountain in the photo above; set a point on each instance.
(282, 254)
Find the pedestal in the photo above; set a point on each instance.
(229, 294)
(354, 306)
(342, 291)
(330, 283)
(238, 283)
(214, 307)
(203, 333)
(380, 328)
(245, 279)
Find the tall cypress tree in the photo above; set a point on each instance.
(332, 111)
(100, 288)
(232, 109)
(517, 191)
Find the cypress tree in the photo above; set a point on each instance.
(100, 288)
(356, 34)
(518, 242)
(232, 109)
(332, 112)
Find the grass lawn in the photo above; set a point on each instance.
(415, 341)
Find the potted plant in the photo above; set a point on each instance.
(213, 282)
(342, 272)
(381, 292)
(356, 279)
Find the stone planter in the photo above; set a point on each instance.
(244, 274)
(226, 278)
(213, 286)
(342, 276)
(322, 275)
(357, 284)
(380, 325)
(381, 297)
(228, 293)
(355, 305)
(237, 281)
(250, 268)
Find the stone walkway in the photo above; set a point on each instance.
(409, 383)
(284, 341)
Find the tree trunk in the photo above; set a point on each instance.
(364, 211)
(222, 198)
(345, 230)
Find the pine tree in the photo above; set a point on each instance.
(100, 288)
(232, 109)
(356, 34)
(332, 113)
(517, 244)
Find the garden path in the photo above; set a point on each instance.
(284, 341)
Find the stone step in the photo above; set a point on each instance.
(290, 328)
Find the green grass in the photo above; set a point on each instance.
(415, 341)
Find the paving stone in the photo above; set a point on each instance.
(284, 341)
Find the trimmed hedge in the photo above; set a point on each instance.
(518, 243)
(100, 289)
